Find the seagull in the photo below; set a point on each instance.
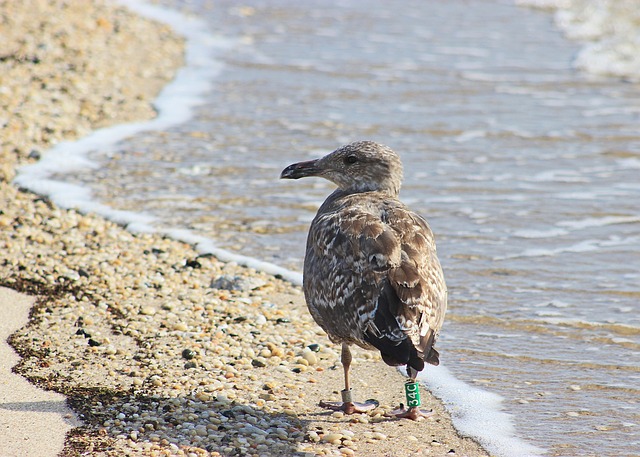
(371, 274)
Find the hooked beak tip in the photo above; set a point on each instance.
(300, 170)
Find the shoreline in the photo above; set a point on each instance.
(192, 367)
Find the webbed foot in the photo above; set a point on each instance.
(413, 413)
(350, 407)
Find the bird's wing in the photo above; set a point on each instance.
(381, 279)
(339, 288)
(417, 282)
(402, 265)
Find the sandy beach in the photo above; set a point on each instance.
(159, 351)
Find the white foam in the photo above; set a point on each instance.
(470, 135)
(550, 233)
(478, 414)
(582, 246)
(608, 30)
(598, 222)
(570, 176)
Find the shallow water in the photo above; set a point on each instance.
(527, 171)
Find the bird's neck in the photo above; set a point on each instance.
(341, 193)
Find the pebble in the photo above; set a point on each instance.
(188, 354)
(237, 283)
(309, 357)
(333, 438)
(148, 310)
(180, 327)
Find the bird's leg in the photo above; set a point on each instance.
(412, 392)
(346, 358)
(348, 406)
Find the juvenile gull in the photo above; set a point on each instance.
(371, 274)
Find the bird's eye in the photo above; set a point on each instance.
(351, 159)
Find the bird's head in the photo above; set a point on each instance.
(362, 166)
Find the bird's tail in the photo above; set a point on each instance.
(433, 357)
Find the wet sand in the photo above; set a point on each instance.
(160, 351)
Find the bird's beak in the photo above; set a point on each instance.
(300, 170)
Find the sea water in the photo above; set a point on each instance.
(527, 168)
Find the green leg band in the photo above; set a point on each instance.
(412, 392)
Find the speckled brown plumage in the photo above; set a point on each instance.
(371, 273)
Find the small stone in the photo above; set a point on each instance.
(332, 438)
(222, 398)
(148, 310)
(229, 282)
(267, 397)
(315, 347)
(192, 263)
(575, 387)
(188, 354)
(203, 396)
(258, 363)
(72, 275)
(94, 343)
(310, 357)
(83, 332)
(180, 327)
(190, 365)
